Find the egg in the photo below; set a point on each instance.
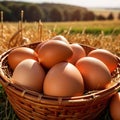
(53, 52)
(38, 46)
(61, 38)
(78, 52)
(115, 106)
(20, 53)
(29, 74)
(106, 57)
(95, 73)
(63, 79)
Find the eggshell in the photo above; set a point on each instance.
(20, 53)
(95, 73)
(29, 74)
(63, 79)
(53, 52)
(115, 107)
(61, 38)
(78, 52)
(106, 57)
(38, 46)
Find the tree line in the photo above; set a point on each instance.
(48, 12)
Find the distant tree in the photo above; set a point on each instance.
(100, 17)
(66, 15)
(44, 11)
(110, 16)
(7, 13)
(46, 15)
(76, 15)
(55, 15)
(119, 16)
(16, 10)
(33, 13)
(89, 16)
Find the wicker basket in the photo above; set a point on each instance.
(30, 105)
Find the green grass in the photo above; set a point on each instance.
(6, 110)
(89, 27)
(95, 31)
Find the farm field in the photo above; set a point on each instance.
(102, 34)
(99, 34)
(105, 12)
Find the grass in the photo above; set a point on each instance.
(6, 110)
(105, 34)
(89, 27)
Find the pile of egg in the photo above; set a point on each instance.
(59, 68)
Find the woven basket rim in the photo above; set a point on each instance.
(40, 97)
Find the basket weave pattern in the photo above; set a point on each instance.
(30, 105)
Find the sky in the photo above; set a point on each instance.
(82, 3)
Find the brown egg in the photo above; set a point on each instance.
(63, 79)
(78, 52)
(95, 73)
(106, 57)
(115, 107)
(20, 53)
(29, 74)
(61, 38)
(53, 52)
(38, 46)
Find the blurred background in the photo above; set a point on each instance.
(61, 10)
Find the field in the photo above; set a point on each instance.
(99, 34)
(102, 34)
(106, 12)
